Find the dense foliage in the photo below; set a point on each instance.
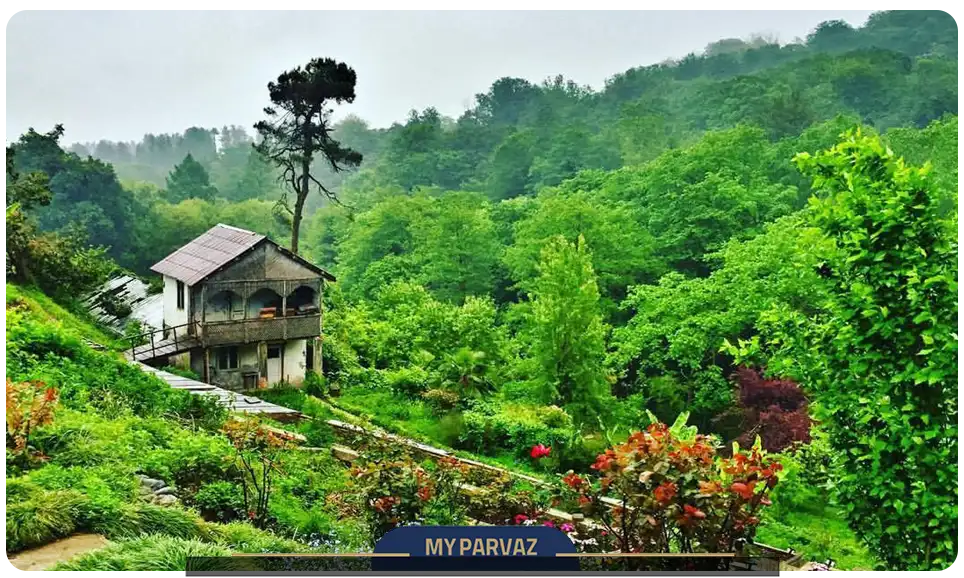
(881, 355)
(762, 237)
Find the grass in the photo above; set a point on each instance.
(818, 535)
(75, 322)
(147, 553)
(46, 517)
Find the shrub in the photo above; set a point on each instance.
(315, 384)
(30, 405)
(410, 381)
(774, 409)
(190, 460)
(198, 411)
(170, 521)
(77, 439)
(441, 400)
(674, 494)
(398, 491)
(114, 306)
(488, 428)
(221, 501)
(181, 371)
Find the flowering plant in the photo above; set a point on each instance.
(398, 491)
(666, 490)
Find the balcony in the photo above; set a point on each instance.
(239, 311)
(236, 331)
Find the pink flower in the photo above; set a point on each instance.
(519, 518)
(540, 451)
(567, 527)
(549, 523)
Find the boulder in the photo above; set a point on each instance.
(165, 500)
(152, 483)
(165, 491)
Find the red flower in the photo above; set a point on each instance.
(665, 492)
(540, 451)
(572, 480)
(519, 518)
(425, 493)
(549, 523)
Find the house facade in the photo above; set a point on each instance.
(241, 311)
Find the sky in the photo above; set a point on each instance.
(119, 75)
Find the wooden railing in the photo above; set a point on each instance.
(255, 330)
(142, 340)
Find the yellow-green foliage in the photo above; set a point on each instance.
(32, 301)
(149, 553)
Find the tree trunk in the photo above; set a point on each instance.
(300, 204)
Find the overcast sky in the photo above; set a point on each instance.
(119, 75)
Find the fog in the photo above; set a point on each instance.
(118, 75)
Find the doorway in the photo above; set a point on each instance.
(274, 364)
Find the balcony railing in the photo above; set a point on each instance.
(255, 330)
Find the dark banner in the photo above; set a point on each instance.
(480, 550)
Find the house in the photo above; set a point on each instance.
(239, 310)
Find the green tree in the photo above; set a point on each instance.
(566, 330)
(190, 180)
(881, 357)
(457, 249)
(621, 249)
(299, 129)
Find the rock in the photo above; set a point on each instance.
(165, 500)
(151, 483)
(165, 491)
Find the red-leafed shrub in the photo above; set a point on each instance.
(774, 409)
(667, 490)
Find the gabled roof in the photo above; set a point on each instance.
(214, 249)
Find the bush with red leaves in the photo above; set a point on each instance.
(774, 409)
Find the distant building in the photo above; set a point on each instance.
(239, 310)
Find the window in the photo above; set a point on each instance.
(180, 295)
(274, 351)
(227, 358)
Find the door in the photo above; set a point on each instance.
(274, 364)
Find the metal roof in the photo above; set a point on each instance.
(206, 254)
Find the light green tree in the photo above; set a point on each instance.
(566, 329)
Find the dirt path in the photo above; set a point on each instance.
(46, 556)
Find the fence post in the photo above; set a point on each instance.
(153, 353)
(175, 337)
